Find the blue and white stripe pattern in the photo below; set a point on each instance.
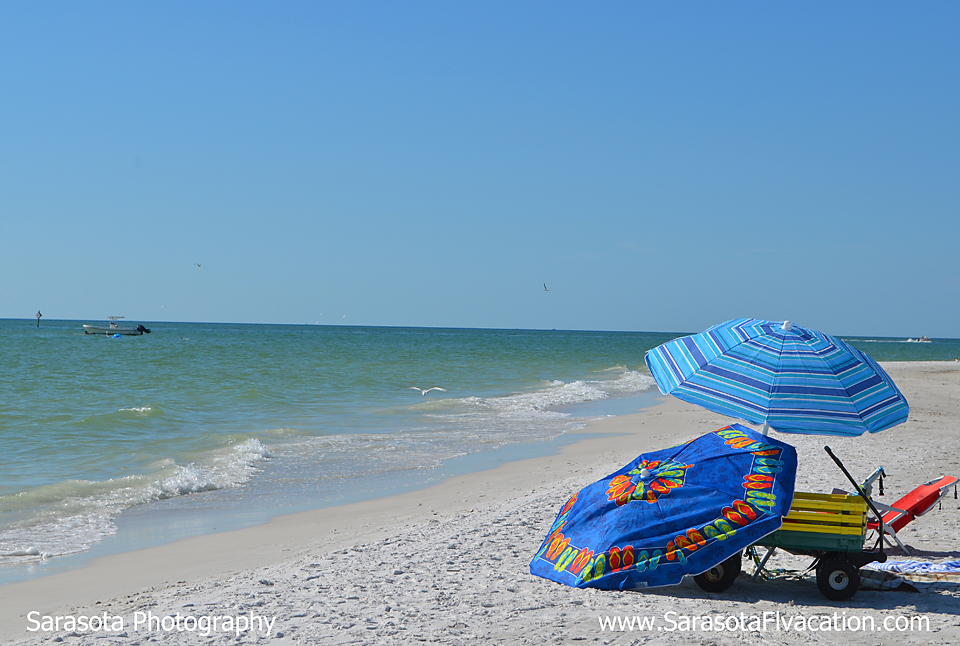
(793, 379)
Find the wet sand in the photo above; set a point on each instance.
(449, 564)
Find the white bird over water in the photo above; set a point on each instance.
(424, 392)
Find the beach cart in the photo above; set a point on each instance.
(829, 527)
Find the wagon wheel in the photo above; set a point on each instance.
(838, 579)
(720, 576)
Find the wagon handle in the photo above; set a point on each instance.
(859, 491)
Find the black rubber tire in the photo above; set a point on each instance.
(838, 579)
(720, 576)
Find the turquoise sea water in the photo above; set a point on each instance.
(250, 420)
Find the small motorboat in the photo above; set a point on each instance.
(114, 329)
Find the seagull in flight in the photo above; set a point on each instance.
(545, 288)
(424, 392)
(197, 264)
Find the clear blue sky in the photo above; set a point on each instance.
(660, 166)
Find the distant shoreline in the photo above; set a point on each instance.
(845, 337)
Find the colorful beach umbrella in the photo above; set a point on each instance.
(669, 513)
(788, 377)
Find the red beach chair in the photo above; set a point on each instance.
(913, 505)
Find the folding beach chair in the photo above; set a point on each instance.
(913, 505)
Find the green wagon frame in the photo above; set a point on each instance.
(828, 527)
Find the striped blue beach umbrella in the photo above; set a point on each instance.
(784, 376)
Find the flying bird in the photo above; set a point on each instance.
(197, 264)
(424, 392)
(545, 288)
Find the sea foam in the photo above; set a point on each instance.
(70, 516)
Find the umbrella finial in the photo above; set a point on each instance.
(787, 326)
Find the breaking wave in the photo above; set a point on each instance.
(69, 516)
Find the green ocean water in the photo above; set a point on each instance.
(252, 418)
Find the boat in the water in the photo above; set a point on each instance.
(114, 329)
(923, 339)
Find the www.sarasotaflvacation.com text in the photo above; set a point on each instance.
(770, 621)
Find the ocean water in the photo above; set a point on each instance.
(250, 419)
(220, 425)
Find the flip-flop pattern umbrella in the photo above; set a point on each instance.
(669, 513)
(790, 378)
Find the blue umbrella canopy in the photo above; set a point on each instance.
(669, 513)
(791, 378)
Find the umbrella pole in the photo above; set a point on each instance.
(765, 430)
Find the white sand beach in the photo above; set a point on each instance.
(449, 564)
